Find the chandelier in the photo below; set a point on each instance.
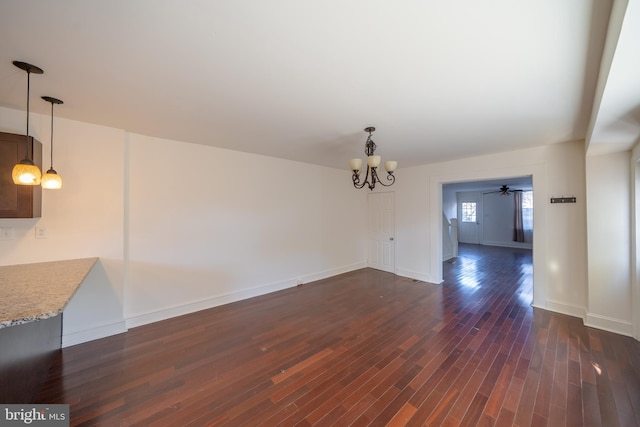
(373, 161)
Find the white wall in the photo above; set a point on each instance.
(249, 225)
(498, 213)
(242, 225)
(635, 240)
(559, 249)
(497, 219)
(449, 211)
(83, 219)
(450, 203)
(609, 213)
(167, 248)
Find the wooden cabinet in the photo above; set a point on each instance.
(18, 201)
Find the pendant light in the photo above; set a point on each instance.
(26, 172)
(51, 180)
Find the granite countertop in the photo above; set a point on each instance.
(30, 292)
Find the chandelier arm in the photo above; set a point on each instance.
(358, 186)
(390, 177)
(356, 179)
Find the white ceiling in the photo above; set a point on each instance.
(615, 124)
(301, 79)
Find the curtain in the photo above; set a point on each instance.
(518, 229)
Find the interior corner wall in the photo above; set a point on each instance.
(208, 226)
(83, 219)
(559, 247)
(609, 243)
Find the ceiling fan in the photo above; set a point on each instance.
(503, 191)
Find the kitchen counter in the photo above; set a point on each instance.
(30, 292)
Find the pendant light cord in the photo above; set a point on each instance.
(51, 164)
(26, 154)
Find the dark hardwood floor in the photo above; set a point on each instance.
(363, 348)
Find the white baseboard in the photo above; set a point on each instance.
(516, 245)
(94, 333)
(610, 324)
(416, 276)
(191, 307)
(564, 308)
(333, 272)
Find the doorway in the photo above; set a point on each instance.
(485, 212)
(469, 214)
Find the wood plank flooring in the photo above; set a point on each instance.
(364, 348)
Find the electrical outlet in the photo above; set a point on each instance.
(6, 233)
(41, 232)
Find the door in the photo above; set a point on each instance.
(469, 209)
(381, 231)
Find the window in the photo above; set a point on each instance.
(468, 211)
(527, 210)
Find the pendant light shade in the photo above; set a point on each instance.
(51, 180)
(26, 172)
